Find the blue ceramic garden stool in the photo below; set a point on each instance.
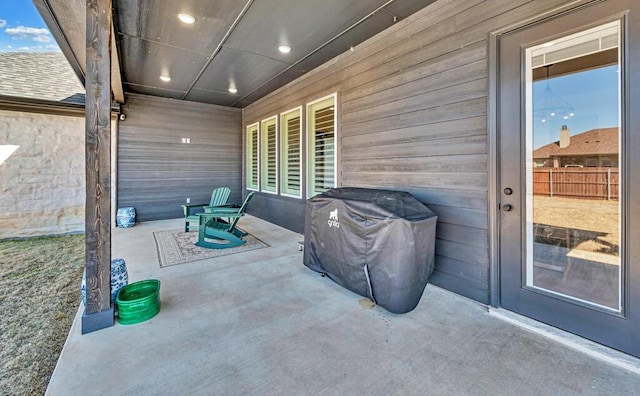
(126, 217)
(119, 279)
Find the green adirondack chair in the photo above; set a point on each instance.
(219, 198)
(215, 233)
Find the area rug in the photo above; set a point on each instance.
(178, 247)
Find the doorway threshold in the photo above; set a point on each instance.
(593, 349)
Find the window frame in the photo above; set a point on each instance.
(249, 152)
(284, 156)
(310, 143)
(264, 157)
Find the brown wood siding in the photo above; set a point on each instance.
(412, 108)
(157, 172)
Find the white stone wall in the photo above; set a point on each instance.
(42, 184)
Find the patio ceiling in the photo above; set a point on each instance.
(231, 44)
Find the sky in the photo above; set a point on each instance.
(593, 94)
(22, 28)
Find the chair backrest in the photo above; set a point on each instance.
(241, 211)
(219, 196)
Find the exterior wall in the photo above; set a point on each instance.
(42, 184)
(157, 172)
(413, 117)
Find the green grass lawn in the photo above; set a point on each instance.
(39, 297)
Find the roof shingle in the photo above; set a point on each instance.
(39, 75)
(593, 142)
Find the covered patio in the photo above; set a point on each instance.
(260, 322)
(407, 105)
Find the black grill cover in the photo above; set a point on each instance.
(376, 243)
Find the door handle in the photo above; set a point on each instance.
(507, 207)
(508, 191)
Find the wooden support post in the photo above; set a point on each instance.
(98, 311)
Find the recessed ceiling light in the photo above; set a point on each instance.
(186, 18)
(285, 49)
(165, 78)
(233, 90)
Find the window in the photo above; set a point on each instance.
(291, 153)
(321, 145)
(269, 155)
(581, 68)
(253, 172)
(608, 162)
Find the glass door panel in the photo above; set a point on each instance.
(573, 168)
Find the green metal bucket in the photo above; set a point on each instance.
(138, 301)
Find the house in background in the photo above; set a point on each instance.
(594, 148)
(42, 177)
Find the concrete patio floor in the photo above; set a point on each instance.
(260, 323)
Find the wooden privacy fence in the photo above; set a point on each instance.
(589, 183)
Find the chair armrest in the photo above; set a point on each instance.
(208, 209)
(219, 210)
(193, 205)
(222, 214)
(188, 207)
(205, 217)
(225, 206)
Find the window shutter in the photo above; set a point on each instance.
(269, 155)
(321, 161)
(291, 149)
(252, 157)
